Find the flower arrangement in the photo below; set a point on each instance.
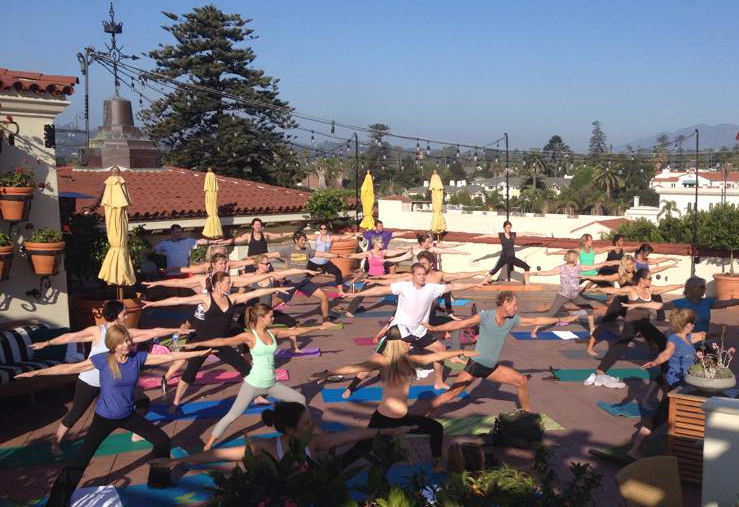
(46, 235)
(714, 364)
(18, 178)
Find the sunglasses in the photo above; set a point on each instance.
(322, 229)
(264, 263)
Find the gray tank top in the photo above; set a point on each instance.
(266, 299)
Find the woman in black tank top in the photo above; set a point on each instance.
(508, 251)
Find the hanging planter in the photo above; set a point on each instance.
(44, 251)
(6, 256)
(16, 192)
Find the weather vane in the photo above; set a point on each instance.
(114, 52)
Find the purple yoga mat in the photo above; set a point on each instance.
(308, 351)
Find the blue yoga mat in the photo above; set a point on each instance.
(595, 295)
(369, 315)
(630, 409)
(201, 410)
(393, 299)
(545, 335)
(189, 489)
(374, 393)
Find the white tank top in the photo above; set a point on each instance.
(92, 377)
(281, 451)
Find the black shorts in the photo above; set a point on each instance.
(306, 287)
(479, 370)
(422, 342)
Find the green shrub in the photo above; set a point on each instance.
(5, 239)
(326, 205)
(197, 255)
(46, 235)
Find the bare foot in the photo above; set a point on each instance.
(207, 447)
(56, 449)
(136, 438)
(591, 352)
(441, 385)
(296, 348)
(261, 400)
(533, 335)
(347, 393)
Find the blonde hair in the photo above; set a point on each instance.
(215, 249)
(570, 254)
(376, 240)
(583, 239)
(679, 318)
(256, 311)
(623, 275)
(396, 352)
(114, 336)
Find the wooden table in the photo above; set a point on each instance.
(685, 431)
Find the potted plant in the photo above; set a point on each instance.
(711, 373)
(16, 192)
(6, 256)
(45, 250)
(326, 206)
(722, 233)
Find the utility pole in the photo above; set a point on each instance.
(507, 181)
(356, 178)
(695, 209)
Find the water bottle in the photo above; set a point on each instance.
(176, 341)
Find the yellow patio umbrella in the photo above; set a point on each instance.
(117, 268)
(438, 224)
(368, 202)
(212, 227)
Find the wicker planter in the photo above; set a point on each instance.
(348, 246)
(727, 286)
(15, 203)
(6, 260)
(45, 258)
(710, 385)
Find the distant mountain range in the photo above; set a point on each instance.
(711, 137)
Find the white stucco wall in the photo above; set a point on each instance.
(32, 112)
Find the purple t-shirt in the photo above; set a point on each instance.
(116, 397)
(385, 235)
(569, 280)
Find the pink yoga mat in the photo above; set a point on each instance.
(209, 377)
(365, 341)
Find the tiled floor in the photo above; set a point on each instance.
(571, 404)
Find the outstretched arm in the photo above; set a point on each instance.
(454, 324)
(60, 369)
(349, 369)
(85, 335)
(231, 341)
(246, 296)
(603, 249)
(184, 283)
(441, 356)
(455, 286)
(374, 291)
(652, 305)
(450, 277)
(667, 288)
(446, 250)
(298, 331)
(544, 321)
(725, 304)
(588, 267)
(603, 278)
(663, 357)
(143, 335)
(174, 301)
(658, 269)
(621, 291)
(556, 252)
(398, 258)
(548, 272)
(154, 359)
(197, 268)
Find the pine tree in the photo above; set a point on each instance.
(201, 129)
(598, 144)
(379, 158)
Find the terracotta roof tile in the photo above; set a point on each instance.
(178, 193)
(611, 223)
(36, 82)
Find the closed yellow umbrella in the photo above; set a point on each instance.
(212, 227)
(368, 202)
(438, 224)
(117, 268)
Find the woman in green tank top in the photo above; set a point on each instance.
(260, 381)
(587, 253)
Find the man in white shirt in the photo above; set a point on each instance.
(415, 299)
(177, 248)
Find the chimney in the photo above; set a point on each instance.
(636, 201)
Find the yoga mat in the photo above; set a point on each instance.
(374, 393)
(189, 490)
(580, 374)
(630, 409)
(365, 341)
(375, 314)
(483, 424)
(595, 295)
(201, 410)
(209, 377)
(456, 302)
(308, 351)
(40, 453)
(653, 446)
(544, 335)
(454, 366)
(581, 354)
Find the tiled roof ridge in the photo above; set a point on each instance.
(37, 82)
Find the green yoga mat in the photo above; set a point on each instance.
(580, 374)
(40, 453)
(454, 366)
(481, 425)
(654, 446)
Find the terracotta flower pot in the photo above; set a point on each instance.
(15, 203)
(45, 258)
(727, 286)
(88, 312)
(6, 260)
(347, 246)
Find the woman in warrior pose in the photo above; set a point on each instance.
(118, 369)
(261, 379)
(635, 321)
(397, 370)
(256, 240)
(508, 251)
(324, 264)
(586, 255)
(87, 387)
(218, 310)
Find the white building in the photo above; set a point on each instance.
(714, 187)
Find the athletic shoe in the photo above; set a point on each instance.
(611, 377)
(590, 380)
(422, 373)
(607, 381)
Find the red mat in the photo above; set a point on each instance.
(208, 377)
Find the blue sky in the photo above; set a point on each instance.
(460, 71)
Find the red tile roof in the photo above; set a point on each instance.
(611, 223)
(178, 193)
(35, 82)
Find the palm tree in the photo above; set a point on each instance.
(668, 208)
(607, 179)
(493, 200)
(568, 203)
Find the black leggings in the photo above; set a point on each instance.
(228, 355)
(98, 431)
(631, 328)
(426, 426)
(84, 395)
(510, 262)
(283, 319)
(329, 268)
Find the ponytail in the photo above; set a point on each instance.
(256, 311)
(111, 310)
(114, 336)
(286, 414)
(212, 280)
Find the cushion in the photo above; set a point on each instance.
(10, 370)
(15, 344)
